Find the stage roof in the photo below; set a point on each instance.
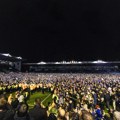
(74, 62)
(8, 57)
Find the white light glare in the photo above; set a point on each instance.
(19, 58)
(7, 55)
(99, 61)
(41, 62)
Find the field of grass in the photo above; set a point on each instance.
(45, 98)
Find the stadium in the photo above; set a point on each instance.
(74, 90)
(59, 60)
(73, 66)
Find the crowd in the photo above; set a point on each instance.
(74, 96)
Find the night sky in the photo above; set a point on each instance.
(56, 30)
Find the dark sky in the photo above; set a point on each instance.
(55, 30)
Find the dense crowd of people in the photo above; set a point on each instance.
(74, 96)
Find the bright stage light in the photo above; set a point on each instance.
(57, 63)
(8, 55)
(19, 58)
(80, 62)
(99, 61)
(41, 62)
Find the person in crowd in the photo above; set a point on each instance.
(10, 99)
(61, 114)
(22, 113)
(15, 103)
(98, 113)
(6, 113)
(85, 115)
(21, 98)
(38, 112)
(116, 114)
(107, 99)
(52, 117)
